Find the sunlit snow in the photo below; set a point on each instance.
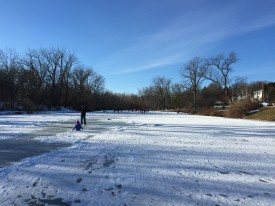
(131, 159)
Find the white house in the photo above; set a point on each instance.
(259, 95)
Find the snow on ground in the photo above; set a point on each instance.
(144, 159)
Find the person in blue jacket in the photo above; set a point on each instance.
(77, 127)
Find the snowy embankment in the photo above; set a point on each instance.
(145, 159)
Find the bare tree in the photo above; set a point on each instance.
(86, 83)
(57, 63)
(96, 83)
(148, 95)
(9, 69)
(47, 77)
(177, 95)
(66, 62)
(241, 88)
(80, 83)
(210, 95)
(193, 73)
(35, 76)
(219, 69)
(162, 90)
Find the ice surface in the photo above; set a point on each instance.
(155, 158)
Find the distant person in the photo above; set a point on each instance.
(77, 127)
(83, 114)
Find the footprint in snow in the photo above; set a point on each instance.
(223, 195)
(119, 186)
(114, 191)
(35, 182)
(157, 125)
(108, 162)
(51, 201)
(79, 180)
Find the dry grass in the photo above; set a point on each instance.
(240, 109)
(266, 113)
(212, 112)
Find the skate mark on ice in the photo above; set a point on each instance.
(244, 172)
(264, 181)
(109, 189)
(224, 172)
(178, 190)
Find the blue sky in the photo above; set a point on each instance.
(129, 42)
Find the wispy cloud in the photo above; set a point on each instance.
(152, 65)
(191, 34)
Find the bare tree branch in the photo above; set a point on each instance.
(219, 69)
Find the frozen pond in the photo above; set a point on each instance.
(142, 159)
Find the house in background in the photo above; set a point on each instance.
(266, 95)
(259, 95)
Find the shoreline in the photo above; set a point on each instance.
(24, 146)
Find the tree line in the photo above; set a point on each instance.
(52, 78)
(48, 78)
(222, 86)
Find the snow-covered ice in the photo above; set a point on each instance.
(155, 158)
